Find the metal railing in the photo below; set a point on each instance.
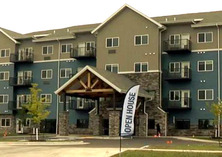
(20, 81)
(178, 74)
(22, 57)
(182, 103)
(81, 52)
(177, 45)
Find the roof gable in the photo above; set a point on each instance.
(121, 9)
(9, 36)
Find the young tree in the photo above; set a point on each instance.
(36, 109)
(216, 109)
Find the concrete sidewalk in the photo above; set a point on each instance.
(193, 139)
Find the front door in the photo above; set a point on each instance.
(185, 95)
(19, 127)
(185, 40)
(81, 49)
(20, 78)
(185, 66)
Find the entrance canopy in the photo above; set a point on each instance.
(92, 82)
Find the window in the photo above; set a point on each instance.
(27, 122)
(46, 50)
(4, 53)
(66, 48)
(46, 74)
(141, 39)
(112, 42)
(205, 37)
(174, 95)
(65, 72)
(205, 94)
(112, 68)
(204, 66)
(151, 123)
(82, 123)
(205, 124)
(22, 99)
(182, 124)
(4, 75)
(3, 99)
(175, 39)
(174, 67)
(141, 67)
(5, 122)
(90, 46)
(46, 98)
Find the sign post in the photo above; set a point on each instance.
(129, 108)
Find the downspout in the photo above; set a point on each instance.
(160, 61)
(58, 85)
(218, 71)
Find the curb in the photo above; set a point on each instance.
(43, 143)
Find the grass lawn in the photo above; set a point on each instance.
(165, 154)
(188, 147)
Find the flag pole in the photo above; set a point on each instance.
(120, 145)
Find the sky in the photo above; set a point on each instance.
(25, 16)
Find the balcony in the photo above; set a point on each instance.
(21, 81)
(81, 105)
(180, 74)
(83, 52)
(185, 103)
(22, 57)
(179, 46)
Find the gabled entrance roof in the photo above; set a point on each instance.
(94, 82)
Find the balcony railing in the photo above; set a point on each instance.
(83, 52)
(177, 46)
(22, 57)
(178, 74)
(20, 81)
(82, 106)
(184, 103)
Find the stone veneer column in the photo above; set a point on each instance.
(64, 123)
(97, 125)
(143, 121)
(114, 123)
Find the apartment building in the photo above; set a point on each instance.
(176, 60)
(48, 58)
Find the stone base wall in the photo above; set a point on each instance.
(114, 123)
(143, 121)
(12, 128)
(151, 82)
(64, 123)
(190, 132)
(81, 131)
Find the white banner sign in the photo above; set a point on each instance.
(129, 107)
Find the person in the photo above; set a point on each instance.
(158, 129)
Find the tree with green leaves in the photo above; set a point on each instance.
(36, 108)
(216, 109)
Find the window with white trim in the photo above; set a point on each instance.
(68, 99)
(65, 72)
(112, 42)
(112, 68)
(174, 95)
(175, 39)
(205, 37)
(205, 94)
(4, 53)
(46, 74)
(66, 48)
(46, 50)
(204, 66)
(4, 75)
(141, 39)
(141, 67)
(4, 99)
(174, 67)
(46, 98)
(5, 122)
